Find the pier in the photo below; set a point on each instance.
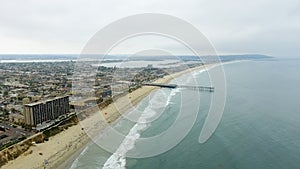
(160, 85)
(172, 86)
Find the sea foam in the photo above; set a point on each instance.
(118, 159)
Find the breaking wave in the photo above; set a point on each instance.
(118, 159)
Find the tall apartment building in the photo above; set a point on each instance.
(39, 112)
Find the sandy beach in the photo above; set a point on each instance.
(62, 149)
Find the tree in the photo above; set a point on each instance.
(5, 93)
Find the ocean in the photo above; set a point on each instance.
(259, 127)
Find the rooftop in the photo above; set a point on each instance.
(44, 101)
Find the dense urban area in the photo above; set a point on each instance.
(37, 95)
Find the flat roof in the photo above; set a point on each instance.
(82, 101)
(44, 101)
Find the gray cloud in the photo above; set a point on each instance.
(267, 27)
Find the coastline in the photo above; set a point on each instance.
(62, 149)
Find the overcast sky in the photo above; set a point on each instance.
(269, 27)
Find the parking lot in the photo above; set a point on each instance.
(10, 133)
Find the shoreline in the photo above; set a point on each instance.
(63, 149)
